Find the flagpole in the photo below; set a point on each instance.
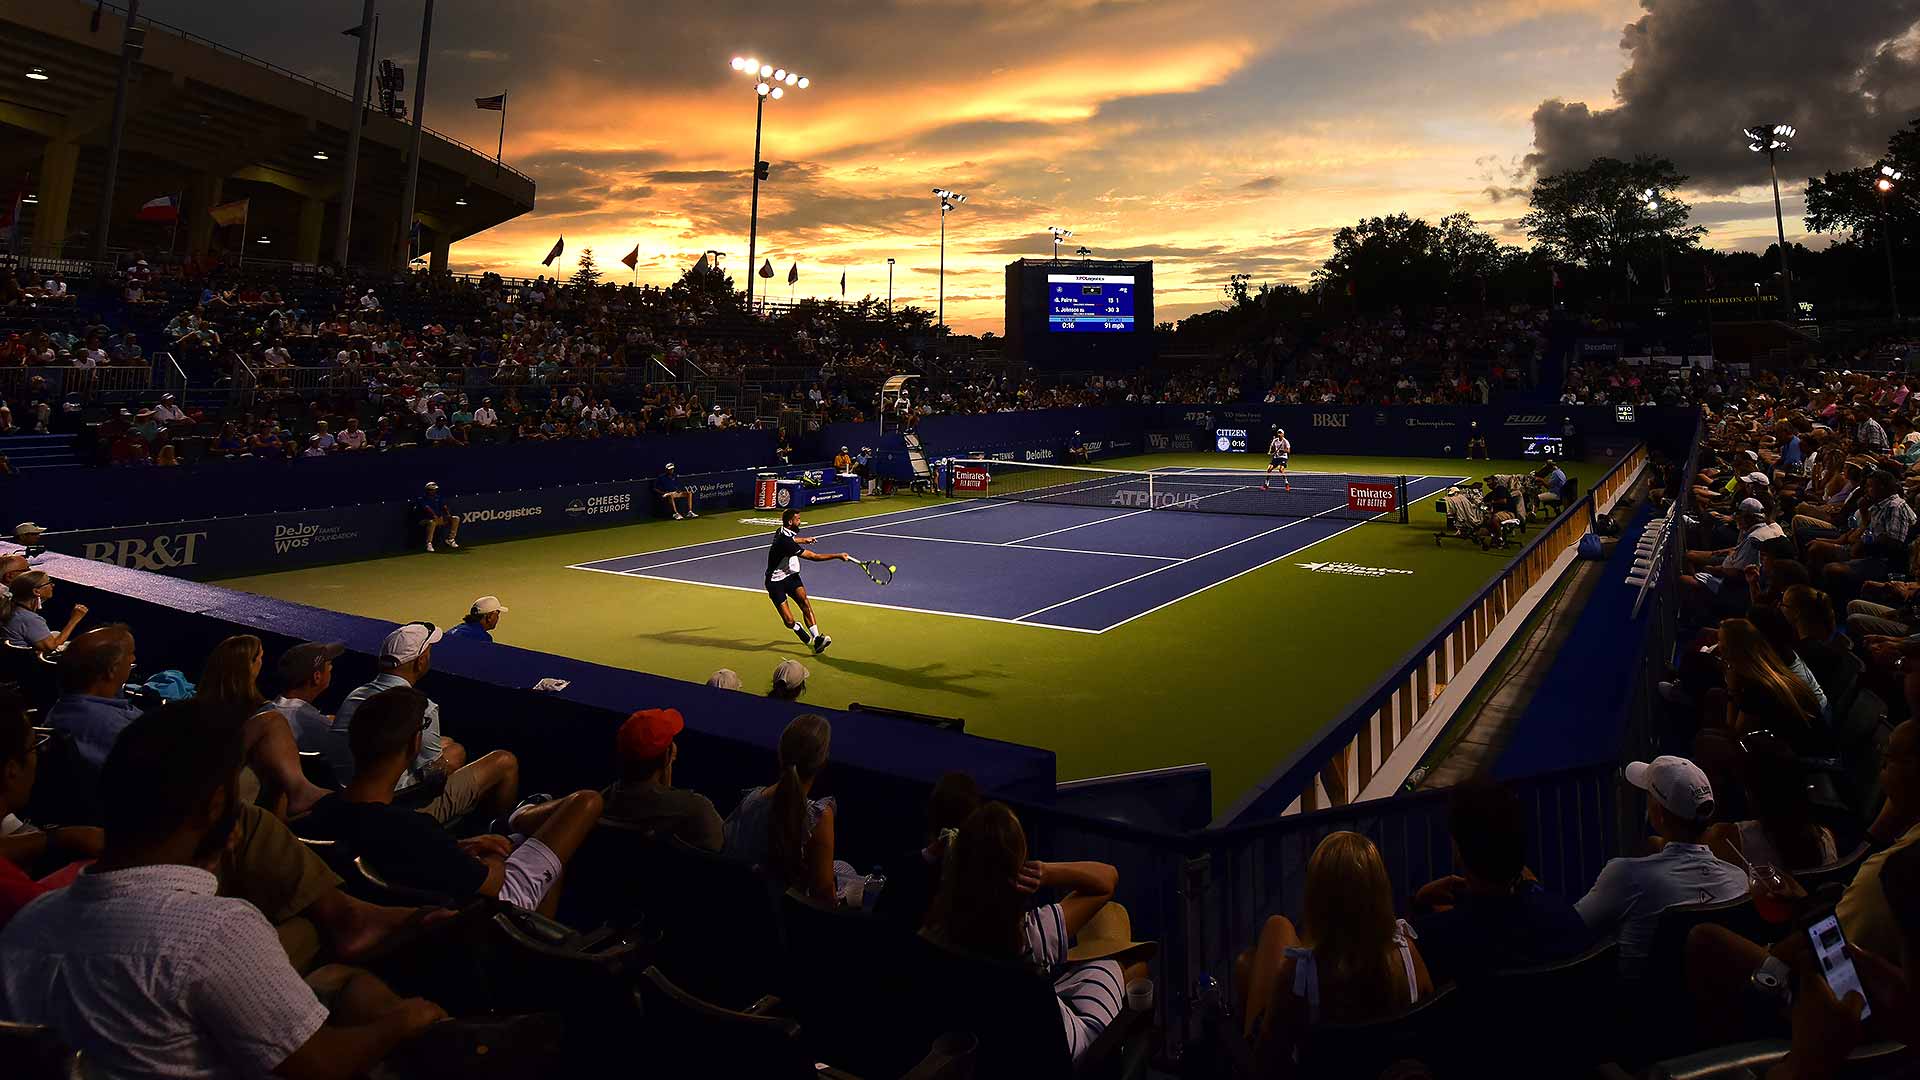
(246, 208)
(173, 238)
(501, 147)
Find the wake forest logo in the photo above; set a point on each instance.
(1350, 569)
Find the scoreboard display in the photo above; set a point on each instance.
(1090, 303)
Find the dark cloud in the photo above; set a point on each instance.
(1263, 184)
(694, 176)
(1845, 73)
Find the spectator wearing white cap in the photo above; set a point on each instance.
(168, 411)
(440, 780)
(670, 489)
(724, 679)
(1630, 893)
(1713, 569)
(27, 534)
(481, 618)
(789, 680)
(431, 510)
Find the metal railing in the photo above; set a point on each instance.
(16, 382)
(207, 43)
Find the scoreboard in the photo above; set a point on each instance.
(1090, 303)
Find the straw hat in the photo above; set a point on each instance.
(1109, 936)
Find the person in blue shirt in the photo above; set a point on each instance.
(91, 708)
(1555, 480)
(22, 623)
(668, 485)
(431, 509)
(1792, 455)
(480, 621)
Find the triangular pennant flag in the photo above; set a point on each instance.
(632, 258)
(701, 266)
(558, 246)
(843, 284)
(766, 269)
(793, 275)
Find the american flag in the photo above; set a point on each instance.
(498, 102)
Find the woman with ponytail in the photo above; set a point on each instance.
(20, 617)
(781, 828)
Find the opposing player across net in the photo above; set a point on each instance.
(1356, 497)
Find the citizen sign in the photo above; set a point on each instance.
(160, 553)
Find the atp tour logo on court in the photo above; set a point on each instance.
(1155, 500)
(1350, 569)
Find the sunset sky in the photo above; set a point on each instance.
(1212, 137)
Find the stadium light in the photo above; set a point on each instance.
(30, 199)
(1652, 202)
(948, 200)
(319, 155)
(460, 201)
(769, 82)
(1884, 183)
(1084, 253)
(1772, 140)
(38, 74)
(1059, 234)
(889, 288)
(261, 240)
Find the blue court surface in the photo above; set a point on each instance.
(1085, 569)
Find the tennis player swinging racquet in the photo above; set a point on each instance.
(783, 578)
(1277, 452)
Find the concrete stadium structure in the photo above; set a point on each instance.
(212, 125)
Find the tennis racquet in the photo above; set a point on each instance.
(880, 572)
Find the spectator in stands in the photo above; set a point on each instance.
(1782, 832)
(143, 969)
(409, 849)
(168, 411)
(20, 616)
(724, 679)
(305, 672)
(913, 878)
(229, 695)
(1554, 483)
(670, 489)
(1350, 960)
(438, 434)
(485, 416)
(12, 565)
(645, 796)
(21, 851)
(983, 908)
(843, 462)
(789, 680)
(481, 618)
(1494, 916)
(781, 828)
(92, 708)
(441, 778)
(1630, 893)
(1762, 693)
(431, 511)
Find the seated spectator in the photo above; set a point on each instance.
(440, 777)
(1782, 832)
(1494, 916)
(1630, 893)
(671, 490)
(481, 618)
(1350, 960)
(645, 796)
(20, 616)
(12, 565)
(1554, 483)
(229, 695)
(781, 829)
(789, 680)
(983, 908)
(92, 708)
(431, 510)
(19, 761)
(724, 679)
(913, 878)
(142, 968)
(410, 849)
(438, 433)
(305, 672)
(351, 437)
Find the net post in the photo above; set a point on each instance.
(1402, 483)
(1149, 489)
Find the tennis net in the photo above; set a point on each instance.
(1220, 491)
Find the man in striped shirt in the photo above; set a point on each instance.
(1877, 545)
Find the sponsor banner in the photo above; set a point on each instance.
(1332, 419)
(1372, 497)
(1230, 440)
(1525, 419)
(1170, 442)
(967, 481)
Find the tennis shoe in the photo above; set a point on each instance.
(678, 516)
(691, 514)
(452, 543)
(820, 644)
(429, 547)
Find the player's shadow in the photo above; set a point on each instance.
(925, 677)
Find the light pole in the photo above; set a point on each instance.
(948, 200)
(1653, 211)
(1771, 140)
(889, 288)
(1889, 176)
(1084, 253)
(769, 82)
(1059, 234)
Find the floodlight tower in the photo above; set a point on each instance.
(1884, 184)
(948, 200)
(1771, 140)
(1059, 234)
(768, 82)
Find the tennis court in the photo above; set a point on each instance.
(1080, 550)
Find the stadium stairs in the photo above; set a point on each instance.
(40, 451)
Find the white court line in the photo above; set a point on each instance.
(1082, 525)
(836, 600)
(1215, 551)
(761, 539)
(1131, 513)
(1012, 544)
(1287, 555)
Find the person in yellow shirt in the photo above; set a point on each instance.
(843, 462)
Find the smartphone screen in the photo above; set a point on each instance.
(1828, 942)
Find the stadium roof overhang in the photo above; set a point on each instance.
(196, 111)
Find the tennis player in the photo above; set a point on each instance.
(1277, 452)
(783, 577)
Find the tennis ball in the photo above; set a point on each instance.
(893, 569)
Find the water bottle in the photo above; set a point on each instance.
(876, 883)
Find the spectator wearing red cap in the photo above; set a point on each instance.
(645, 794)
